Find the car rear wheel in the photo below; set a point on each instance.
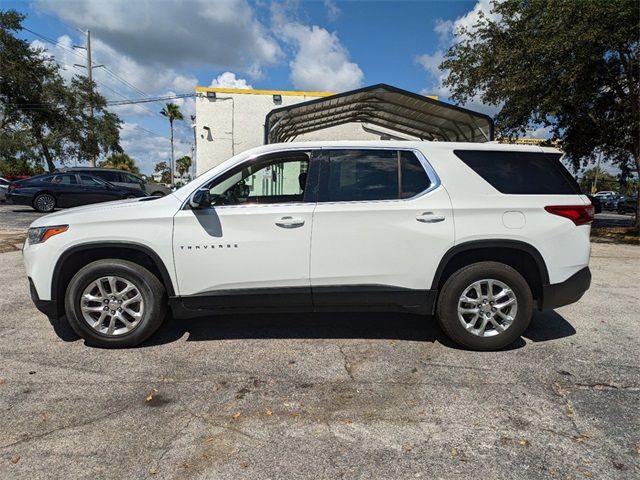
(115, 303)
(44, 203)
(157, 194)
(485, 306)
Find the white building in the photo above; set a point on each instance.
(231, 120)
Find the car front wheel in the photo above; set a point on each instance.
(485, 306)
(115, 303)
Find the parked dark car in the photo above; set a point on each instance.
(122, 178)
(611, 202)
(597, 204)
(47, 192)
(627, 204)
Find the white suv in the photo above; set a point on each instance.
(477, 234)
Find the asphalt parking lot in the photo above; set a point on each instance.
(327, 396)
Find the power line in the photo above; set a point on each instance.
(154, 99)
(146, 99)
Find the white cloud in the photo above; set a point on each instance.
(467, 21)
(444, 29)
(450, 32)
(224, 33)
(333, 11)
(540, 132)
(321, 61)
(229, 80)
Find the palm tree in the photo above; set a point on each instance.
(172, 112)
(121, 161)
(183, 164)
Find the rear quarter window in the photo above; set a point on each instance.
(521, 173)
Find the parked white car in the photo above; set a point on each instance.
(4, 187)
(477, 234)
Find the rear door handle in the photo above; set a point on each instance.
(290, 222)
(429, 217)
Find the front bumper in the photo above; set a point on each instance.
(48, 307)
(570, 291)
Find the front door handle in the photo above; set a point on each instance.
(290, 222)
(429, 217)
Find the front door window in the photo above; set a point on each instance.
(273, 180)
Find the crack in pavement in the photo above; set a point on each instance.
(347, 364)
(64, 427)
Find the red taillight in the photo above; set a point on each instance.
(578, 214)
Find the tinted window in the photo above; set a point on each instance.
(66, 179)
(274, 179)
(88, 181)
(358, 175)
(363, 175)
(525, 173)
(413, 177)
(129, 178)
(108, 176)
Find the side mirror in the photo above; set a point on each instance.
(200, 199)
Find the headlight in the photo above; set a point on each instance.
(42, 234)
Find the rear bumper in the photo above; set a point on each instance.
(19, 199)
(570, 291)
(48, 307)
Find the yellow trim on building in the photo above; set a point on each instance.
(290, 93)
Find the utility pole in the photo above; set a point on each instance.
(594, 185)
(89, 66)
(194, 152)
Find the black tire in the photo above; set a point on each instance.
(454, 287)
(44, 203)
(157, 194)
(151, 289)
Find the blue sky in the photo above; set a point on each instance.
(161, 48)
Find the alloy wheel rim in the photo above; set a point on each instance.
(487, 307)
(112, 305)
(45, 202)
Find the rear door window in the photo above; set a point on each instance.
(89, 181)
(129, 178)
(109, 176)
(364, 175)
(65, 179)
(521, 173)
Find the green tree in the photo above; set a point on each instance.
(120, 161)
(43, 117)
(571, 66)
(605, 181)
(163, 170)
(183, 164)
(173, 113)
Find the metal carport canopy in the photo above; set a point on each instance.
(385, 106)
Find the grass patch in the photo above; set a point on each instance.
(629, 235)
